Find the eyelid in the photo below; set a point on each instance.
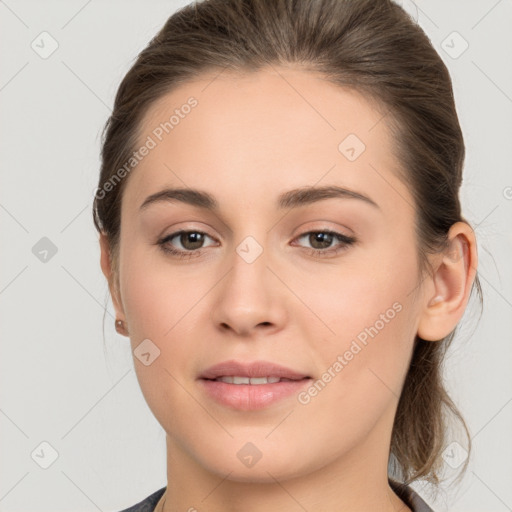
(324, 225)
(185, 226)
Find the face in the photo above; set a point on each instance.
(317, 283)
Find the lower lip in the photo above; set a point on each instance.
(249, 397)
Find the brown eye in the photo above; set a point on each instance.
(191, 240)
(322, 242)
(189, 243)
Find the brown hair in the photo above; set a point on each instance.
(371, 46)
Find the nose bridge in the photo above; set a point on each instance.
(247, 297)
(249, 271)
(251, 248)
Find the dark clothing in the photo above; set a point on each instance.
(148, 504)
(404, 492)
(410, 497)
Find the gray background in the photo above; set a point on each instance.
(60, 386)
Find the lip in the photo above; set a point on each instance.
(247, 397)
(251, 369)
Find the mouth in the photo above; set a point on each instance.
(253, 381)
(251, 386)
(252, 370)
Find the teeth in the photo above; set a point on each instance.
(249, 380)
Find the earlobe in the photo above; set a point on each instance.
(452, 281)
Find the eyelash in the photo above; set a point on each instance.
(346, 241)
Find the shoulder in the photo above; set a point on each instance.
(148, 504)
(409, 496)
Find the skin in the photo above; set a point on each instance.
(250, 138)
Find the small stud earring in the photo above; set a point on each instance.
(120, 328)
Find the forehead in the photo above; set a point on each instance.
(283, 127)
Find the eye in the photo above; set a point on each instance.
(191, 241)
(321, 242)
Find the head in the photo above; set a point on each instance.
(249, 100)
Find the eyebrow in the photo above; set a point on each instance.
(287, 200)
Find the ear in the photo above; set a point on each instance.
(112, 278)
(449, 288)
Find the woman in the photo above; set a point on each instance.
(282, 235)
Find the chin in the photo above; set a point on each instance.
(267, 465)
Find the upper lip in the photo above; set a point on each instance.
(251, 369)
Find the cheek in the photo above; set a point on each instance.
(359, 293)
(162, 306)
(370, 312)
(158, 296)
(361, 372)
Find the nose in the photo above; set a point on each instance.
(250, 299)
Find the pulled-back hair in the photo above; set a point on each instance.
(373, 47)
